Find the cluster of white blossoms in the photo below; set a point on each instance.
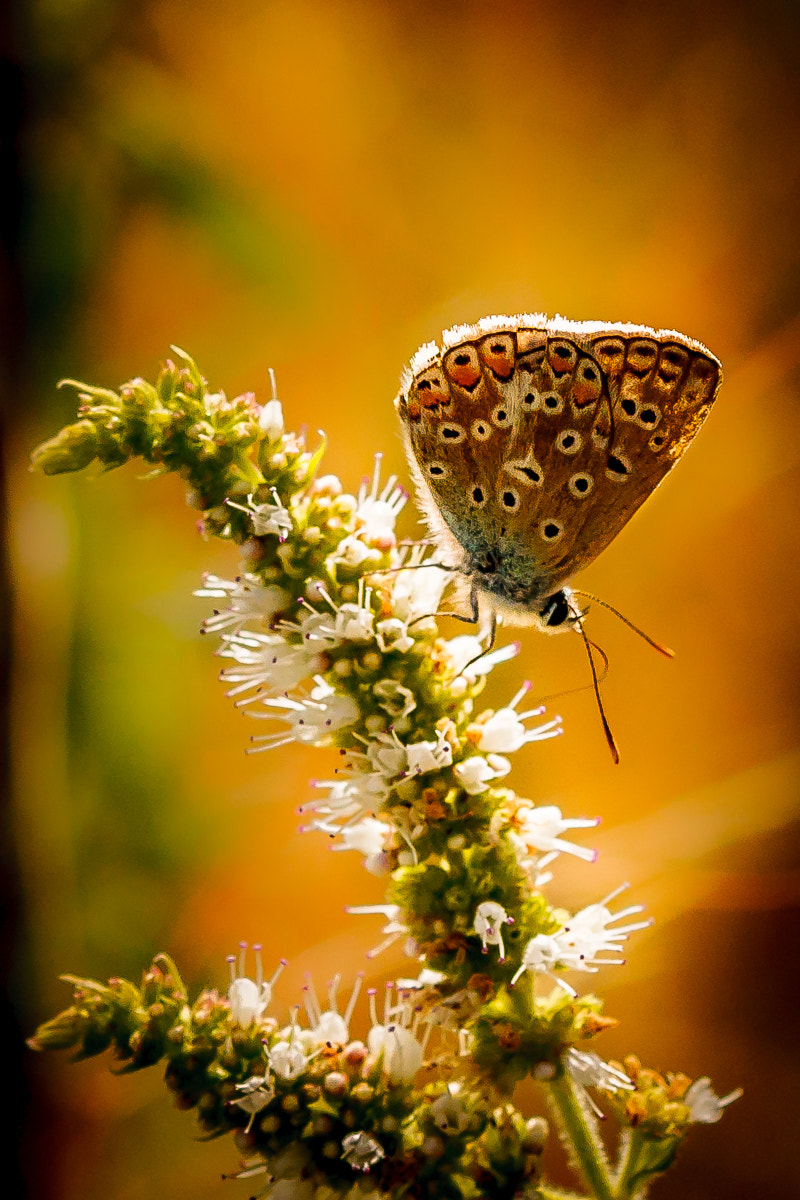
(330, 637)
(297, 672)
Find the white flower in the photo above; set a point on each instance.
(417, 590)
(541, 956)
(249, 998)
(392, 634)
(368, 836)
(329, 1027)
(589, 1070)
(391, 758)
(361, 1150)
(422, 757)
(352, 552)
(251, 601)
(270, 419)
(311, 720)
(265, 661)
(350, 797)
(476, 772)
(465, 654)
(490, 917)
(587, 934)
(354, 622)
(505, 732)
(345, 623)
(287, 1058)
(539, 827)
(402, 1052)
(704, 1104)
(267, 518)
(392, 931)
(377, 511)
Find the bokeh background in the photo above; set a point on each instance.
(318, 186)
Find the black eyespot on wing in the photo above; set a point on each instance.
(629, 407)
(580, 485)
(617, 466)
(551, 531)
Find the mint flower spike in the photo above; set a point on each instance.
(329, 633)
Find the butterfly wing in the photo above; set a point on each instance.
(535, 441)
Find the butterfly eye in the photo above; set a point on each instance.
(481, 431)
(451, 434)
(550, 530)
(552, 403)
(580, 485)
(569, 441)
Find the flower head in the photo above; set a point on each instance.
(504, 731)
(704, 1104)
(490, 917)
(252, 602)
(248, 998)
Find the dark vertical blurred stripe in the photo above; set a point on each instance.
(13, 341)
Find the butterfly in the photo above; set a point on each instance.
(533, 441)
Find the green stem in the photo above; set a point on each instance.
(587, 1149)
(629, 1165)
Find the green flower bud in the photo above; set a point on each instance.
(70, 450)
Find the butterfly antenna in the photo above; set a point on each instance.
(665, 650)
(612, 745)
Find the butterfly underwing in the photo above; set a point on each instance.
(532, 441)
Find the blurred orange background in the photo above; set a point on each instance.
(318, 187)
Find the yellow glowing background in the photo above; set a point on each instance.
(319, 187)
